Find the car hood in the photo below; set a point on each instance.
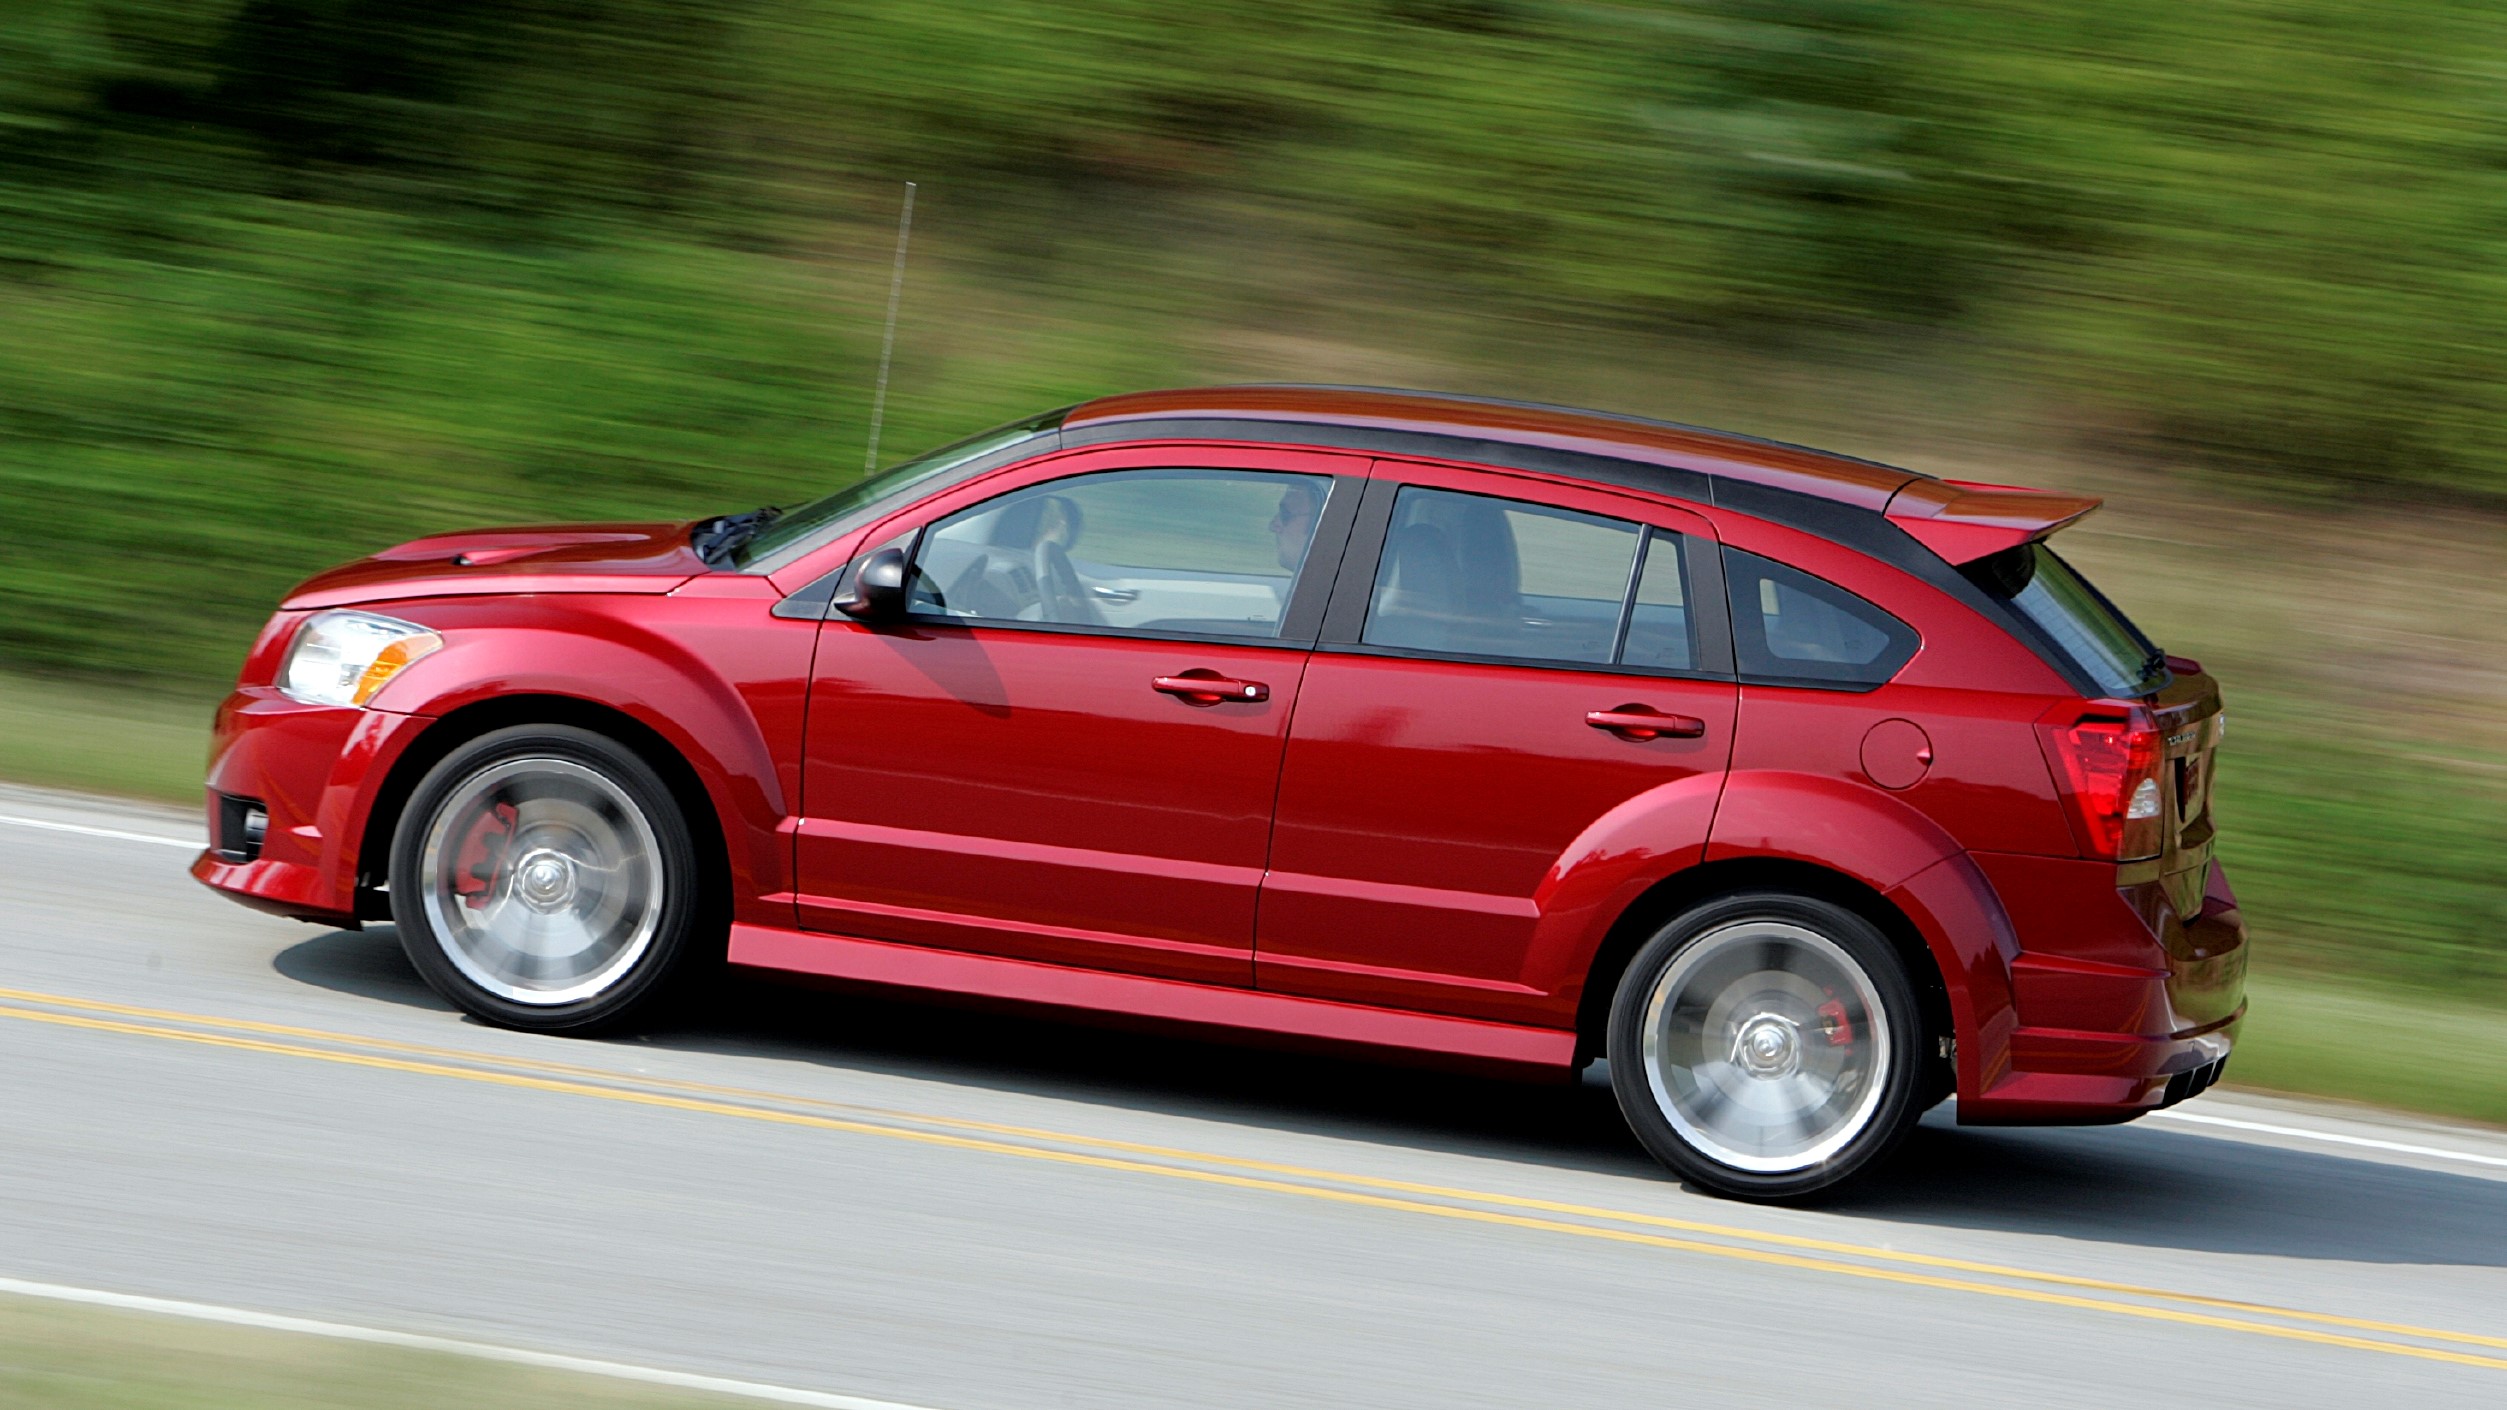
(639, 558)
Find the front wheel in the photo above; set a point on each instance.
(543, 878)
(1767, 1046)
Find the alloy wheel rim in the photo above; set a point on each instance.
(1766, 1047)
(542, 880)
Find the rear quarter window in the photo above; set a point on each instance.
(1789, 628)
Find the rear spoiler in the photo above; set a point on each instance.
(1963, 521)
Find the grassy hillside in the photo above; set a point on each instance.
(285, 278)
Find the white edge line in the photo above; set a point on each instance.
(85, 831)
(2302, 1133)
(545, 1360)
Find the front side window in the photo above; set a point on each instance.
(1472, 575)
(1185, 552)
(1792, 628)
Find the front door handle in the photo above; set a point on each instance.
(1209, 688)
(1643, 722)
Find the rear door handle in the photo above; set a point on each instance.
(1642, 722)
(1210, 688)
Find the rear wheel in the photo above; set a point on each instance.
(1767, 1046)
(544, 878)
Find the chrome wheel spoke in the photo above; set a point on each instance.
(571, 873)
(1766, 1046)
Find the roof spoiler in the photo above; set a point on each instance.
(1963, 520)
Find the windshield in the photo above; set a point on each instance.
(2075, 616)
(873, 495)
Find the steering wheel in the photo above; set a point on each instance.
(1058, 588)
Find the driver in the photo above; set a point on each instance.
(1038, 520)
(1060, 523)
(1293, 525)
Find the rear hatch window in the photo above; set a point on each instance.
(2074, 617)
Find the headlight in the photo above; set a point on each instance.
(343, 658)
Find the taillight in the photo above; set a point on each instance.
(2107, 759)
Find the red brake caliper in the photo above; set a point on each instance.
(482, 850)
(1840, 1027)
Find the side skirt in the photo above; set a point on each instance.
(1246, 1014)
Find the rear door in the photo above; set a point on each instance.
(1495, 650)
(1068, 751)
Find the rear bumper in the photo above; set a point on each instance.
(2124, 1000)
(315, 769)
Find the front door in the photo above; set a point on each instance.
(1476, 708)
(1068, 751)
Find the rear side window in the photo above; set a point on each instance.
(1473, 575)
(1790, 628)
(2076, 617)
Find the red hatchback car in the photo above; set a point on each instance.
(1804, 790)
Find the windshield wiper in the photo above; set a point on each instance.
(716, 539)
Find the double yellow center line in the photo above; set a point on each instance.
(1622, 1226)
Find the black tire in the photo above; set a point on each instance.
(638, 905)
(1731, 993)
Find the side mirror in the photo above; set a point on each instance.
(878, 593)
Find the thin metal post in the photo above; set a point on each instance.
(888, 340)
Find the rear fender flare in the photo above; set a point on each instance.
(1876, 839)
(1610, 866)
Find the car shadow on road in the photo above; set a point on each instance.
(1564, 1124)
(782, 1020)
(2143, 1184)
(368, 964)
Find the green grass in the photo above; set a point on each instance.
(2355, 857)
(136, 744)
(66, 1357)
(2417, 1052)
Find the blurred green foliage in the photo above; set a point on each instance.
(2356, 859)
(368, 266)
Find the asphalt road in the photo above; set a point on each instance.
(966, 1211)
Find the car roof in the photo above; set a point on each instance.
(1724, 455)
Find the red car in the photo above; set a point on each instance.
(1805, 790)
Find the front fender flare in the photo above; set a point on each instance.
(652, 681)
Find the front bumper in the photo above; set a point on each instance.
(2125, 999)
(316, 770)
